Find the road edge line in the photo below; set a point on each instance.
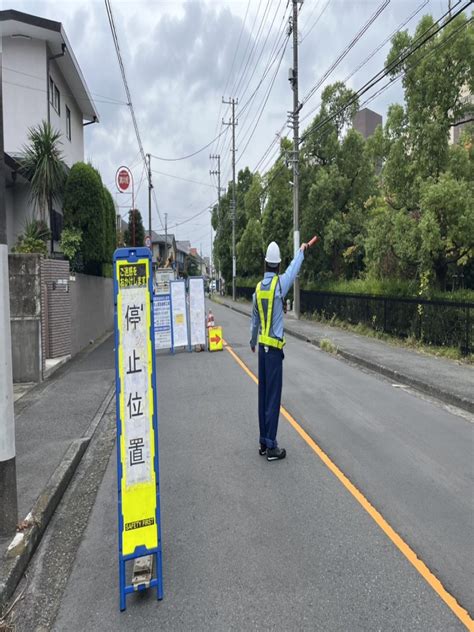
(376, 516)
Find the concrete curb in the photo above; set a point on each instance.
(16, 560)
(444, 396)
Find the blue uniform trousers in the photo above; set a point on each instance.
(270, 380)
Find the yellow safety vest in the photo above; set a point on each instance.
(268, 295)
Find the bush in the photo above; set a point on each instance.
(70, 244)
(34, 238)
(84, 210)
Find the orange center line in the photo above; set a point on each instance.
(401, 545)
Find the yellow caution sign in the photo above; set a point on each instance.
(215, 338)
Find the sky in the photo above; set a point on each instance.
(181, 58)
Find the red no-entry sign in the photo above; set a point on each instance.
(123, 179)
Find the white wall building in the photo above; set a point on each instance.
(41, 81)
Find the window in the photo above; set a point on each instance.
(54, 96)
(57, 100)
(68, 123)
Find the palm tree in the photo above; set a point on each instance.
(42, 164)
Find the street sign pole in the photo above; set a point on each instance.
(8, 489)
(139, 519)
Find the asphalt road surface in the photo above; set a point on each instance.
(290, 545)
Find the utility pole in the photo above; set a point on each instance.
(233, 102)
(150, 187)
(166, 238)
(8, 494)
(217, 172)
(294, 115)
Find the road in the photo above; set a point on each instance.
(252, 545)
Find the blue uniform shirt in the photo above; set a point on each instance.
(281, 290)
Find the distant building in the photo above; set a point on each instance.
(201, 262)
(456, 130)
(41, 81)
(182, 251)
(365, 121)
(160, 252)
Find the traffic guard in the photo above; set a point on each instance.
(267, 324)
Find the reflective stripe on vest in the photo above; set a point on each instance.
(268, 295)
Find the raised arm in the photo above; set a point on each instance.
(288, 277)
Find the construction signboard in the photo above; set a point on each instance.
(137, 419)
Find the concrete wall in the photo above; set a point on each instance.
(53, 314)
(92, 304)
(25, 316)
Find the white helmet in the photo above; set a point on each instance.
(273, 254)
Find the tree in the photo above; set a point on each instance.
(433, 78)
(250, 249)
(42, 164)
(84, 211)
(425, 223)
(110, 226)
(277, 218)
(191, 266)
(337, 179)
(135, 233)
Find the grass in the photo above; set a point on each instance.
(451, 353)
(328, 346)
(387, 287)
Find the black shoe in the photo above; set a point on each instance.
(262, 450)
(275, 454)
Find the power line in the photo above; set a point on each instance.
(316, 21)
(272, 59)
(194, 153)
(397, 62)
(346, 51)
(28, 74)
(113, 30)
(254, 45)
(308, 114)
(373, 53)
(169, 175)
(218, 124)
(264, 102)
(198, 214)
(44, 91)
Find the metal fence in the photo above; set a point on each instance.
(435, 322)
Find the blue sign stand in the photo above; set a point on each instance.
(139, 532)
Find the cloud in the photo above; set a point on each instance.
(179, 57)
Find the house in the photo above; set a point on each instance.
(41, 81)
(182, 251)
(162, 252)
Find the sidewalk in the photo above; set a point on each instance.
(54, 423)
(444, 379)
